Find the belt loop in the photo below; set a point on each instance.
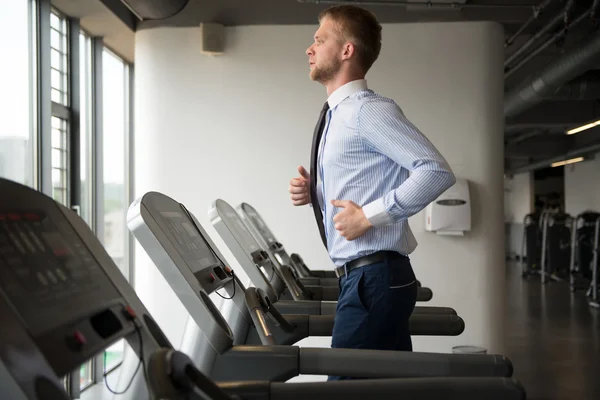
(346, 269)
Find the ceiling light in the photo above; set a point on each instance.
(565, 162)
(583, 127)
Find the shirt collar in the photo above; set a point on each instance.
(345, 91)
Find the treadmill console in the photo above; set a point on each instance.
(234, 222)
(62, 299)
(177, 224)
(254, 218)
(182, 252)
(56, 286)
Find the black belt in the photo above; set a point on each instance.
(366, 260)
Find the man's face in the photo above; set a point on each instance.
(324, 55)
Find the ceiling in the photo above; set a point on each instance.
(535, 128)
(98, 20)
(281, 12)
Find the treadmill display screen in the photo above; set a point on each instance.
(258, 222)
(46, 271)
(192, 246)
(237, 228)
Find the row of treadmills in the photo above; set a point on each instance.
(63, 300)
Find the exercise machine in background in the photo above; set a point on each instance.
(556, 246)
(582, 256)
(547, 241)
(560, 247)
(531, 245)
(593, 290)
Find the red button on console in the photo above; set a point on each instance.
(32, 217)
(14, 217)
(79, 338)
(130, 311)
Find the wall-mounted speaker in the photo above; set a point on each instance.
(212, 38)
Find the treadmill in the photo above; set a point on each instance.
(194, 268)
(266, 240)
(257, 225)
(262, 234)
(269, 275)
(52, 322)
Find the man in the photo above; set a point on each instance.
(359, 185)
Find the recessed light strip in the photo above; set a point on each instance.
(565, 162)
(583, 127)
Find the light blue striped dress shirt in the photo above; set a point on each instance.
(366, 152)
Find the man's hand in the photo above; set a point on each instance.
(300, 188)
(351, 222)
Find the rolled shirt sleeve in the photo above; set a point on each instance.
(384, 128)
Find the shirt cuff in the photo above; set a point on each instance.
(377, 214)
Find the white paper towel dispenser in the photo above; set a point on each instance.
(450, 213)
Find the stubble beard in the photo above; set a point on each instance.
(325, 73)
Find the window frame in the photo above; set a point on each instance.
(44, 109)
(68, 111)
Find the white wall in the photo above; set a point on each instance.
(582, 187)
(237, 126)
(519, 197)
(518, 202)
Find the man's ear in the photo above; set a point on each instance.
(347, 50)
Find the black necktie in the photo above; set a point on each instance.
(314, 154)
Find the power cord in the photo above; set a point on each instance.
(141, 363)
(234, 286)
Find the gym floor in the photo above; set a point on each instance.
(553, 339)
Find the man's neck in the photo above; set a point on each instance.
(340, 81)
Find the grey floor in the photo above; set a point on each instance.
(553, 339)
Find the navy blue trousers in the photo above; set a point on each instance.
(374, 307)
